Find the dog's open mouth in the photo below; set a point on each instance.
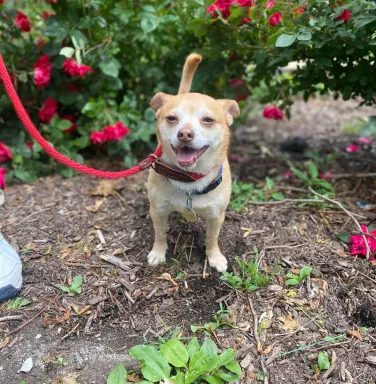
(187, 156)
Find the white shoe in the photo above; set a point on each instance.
(10, 270)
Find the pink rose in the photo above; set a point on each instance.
(270, 4)
(42, 71)
(272, 112)
(345, 15)
(364, 140)
(3, 185)
(353, 148)
(116, 132)
(74, 69)
(98, 137)
(22, 22)
(48, 111)
(275, 19)
(5, 153)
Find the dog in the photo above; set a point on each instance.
(193, 174)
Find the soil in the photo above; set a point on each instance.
(56, 225)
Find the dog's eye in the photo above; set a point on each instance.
(207, 120)
(172, 118)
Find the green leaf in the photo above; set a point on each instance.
(209, 347)
(278, 196)
(200, 364)
(285, 40)
(323, 361)
(234, 367)
(301, 175)
(305, 271)
(175, 352)
(77, 282)
(226, 357)
(149, 22)
(67, 52)
(304, 36)
(64, 288)
(118, 375)
(292, 282)
(62, 125)
(155, 367)
(193, 347)
(213, 380)
(194, 328)
(344, 236)
(110, 67)
(79, 38)
(269, 184)
(313, 170)
(227, 377)
(178, 379)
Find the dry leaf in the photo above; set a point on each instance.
(105, 188)
(65, 253)
(265, 320)
(297, 301)
(67, 379)
(96, 207)
(167, 276)
(4, 342)
(356, 334)
(289, 324)
(341, 252)
(133, 378)
(79, 311)
(267, 350)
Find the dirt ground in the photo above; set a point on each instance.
(56, 224)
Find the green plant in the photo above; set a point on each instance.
(118, 375)
(320, 159)
(294, 279)
(17, 303)
(75, 287)
(242, 193)
(186, 364)
(323, 361)
(312, 179)
(220, 319)
(250, 278)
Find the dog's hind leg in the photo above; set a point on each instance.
(158, 254)
(213, 253)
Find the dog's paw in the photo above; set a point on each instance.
(156, 257)
(218, 261)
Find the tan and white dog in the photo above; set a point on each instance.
(193, 130)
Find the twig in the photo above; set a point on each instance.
(34, 317)
(128, 296)
(115, 261)
(285, 246)
(370, 278)
(9, 318)
(259, 349)
(100, 236)
(215, 337)
(204, 275)
(32, 214)
(350, 215)
(352, 175)
(70, 332)
(294, 201)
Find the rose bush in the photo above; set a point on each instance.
(86, 74)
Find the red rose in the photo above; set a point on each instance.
(5, 153)
(42, 71)
(22, 22)
(46, 14)
(72, 127)
(270, 4)
(1, 1)
(236, 82)
(345, 15)
(272, 112)
(74, 69)
(224, 7)
(2, 178)
(30, 145)
(275, 19)
(48, 111)
(98, 137)
(358, 246)
(298, 10)
(243, 3)
(40, 43)
(116, 132)
(71, 87)
(241, 97)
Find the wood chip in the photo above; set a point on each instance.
(116, 261)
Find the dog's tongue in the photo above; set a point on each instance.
(186, 155)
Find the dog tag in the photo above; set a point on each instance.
(188, 213)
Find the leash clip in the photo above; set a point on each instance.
(147, 163)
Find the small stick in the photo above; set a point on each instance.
(350, 215)
(9, 318)
(204, 275)
(88, 323)
(370, 278)
(294, 201)
(115, 261)
(259, 349)
(100, 236)
(128, 296)
(70, 332)
(215, 337)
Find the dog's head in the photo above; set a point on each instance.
(193, 129)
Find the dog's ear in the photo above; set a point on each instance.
(231, 109)
(158, 100)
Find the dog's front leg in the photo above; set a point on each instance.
(158, 253)
(213, 253)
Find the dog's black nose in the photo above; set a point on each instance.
(186, 135)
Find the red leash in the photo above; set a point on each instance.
(30, 127)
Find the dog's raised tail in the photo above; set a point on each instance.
(190, 66)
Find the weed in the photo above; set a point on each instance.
(176, 362)
(250, 278)
(17, 303)
(75, 287)
(320, 159)
(294, 279)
